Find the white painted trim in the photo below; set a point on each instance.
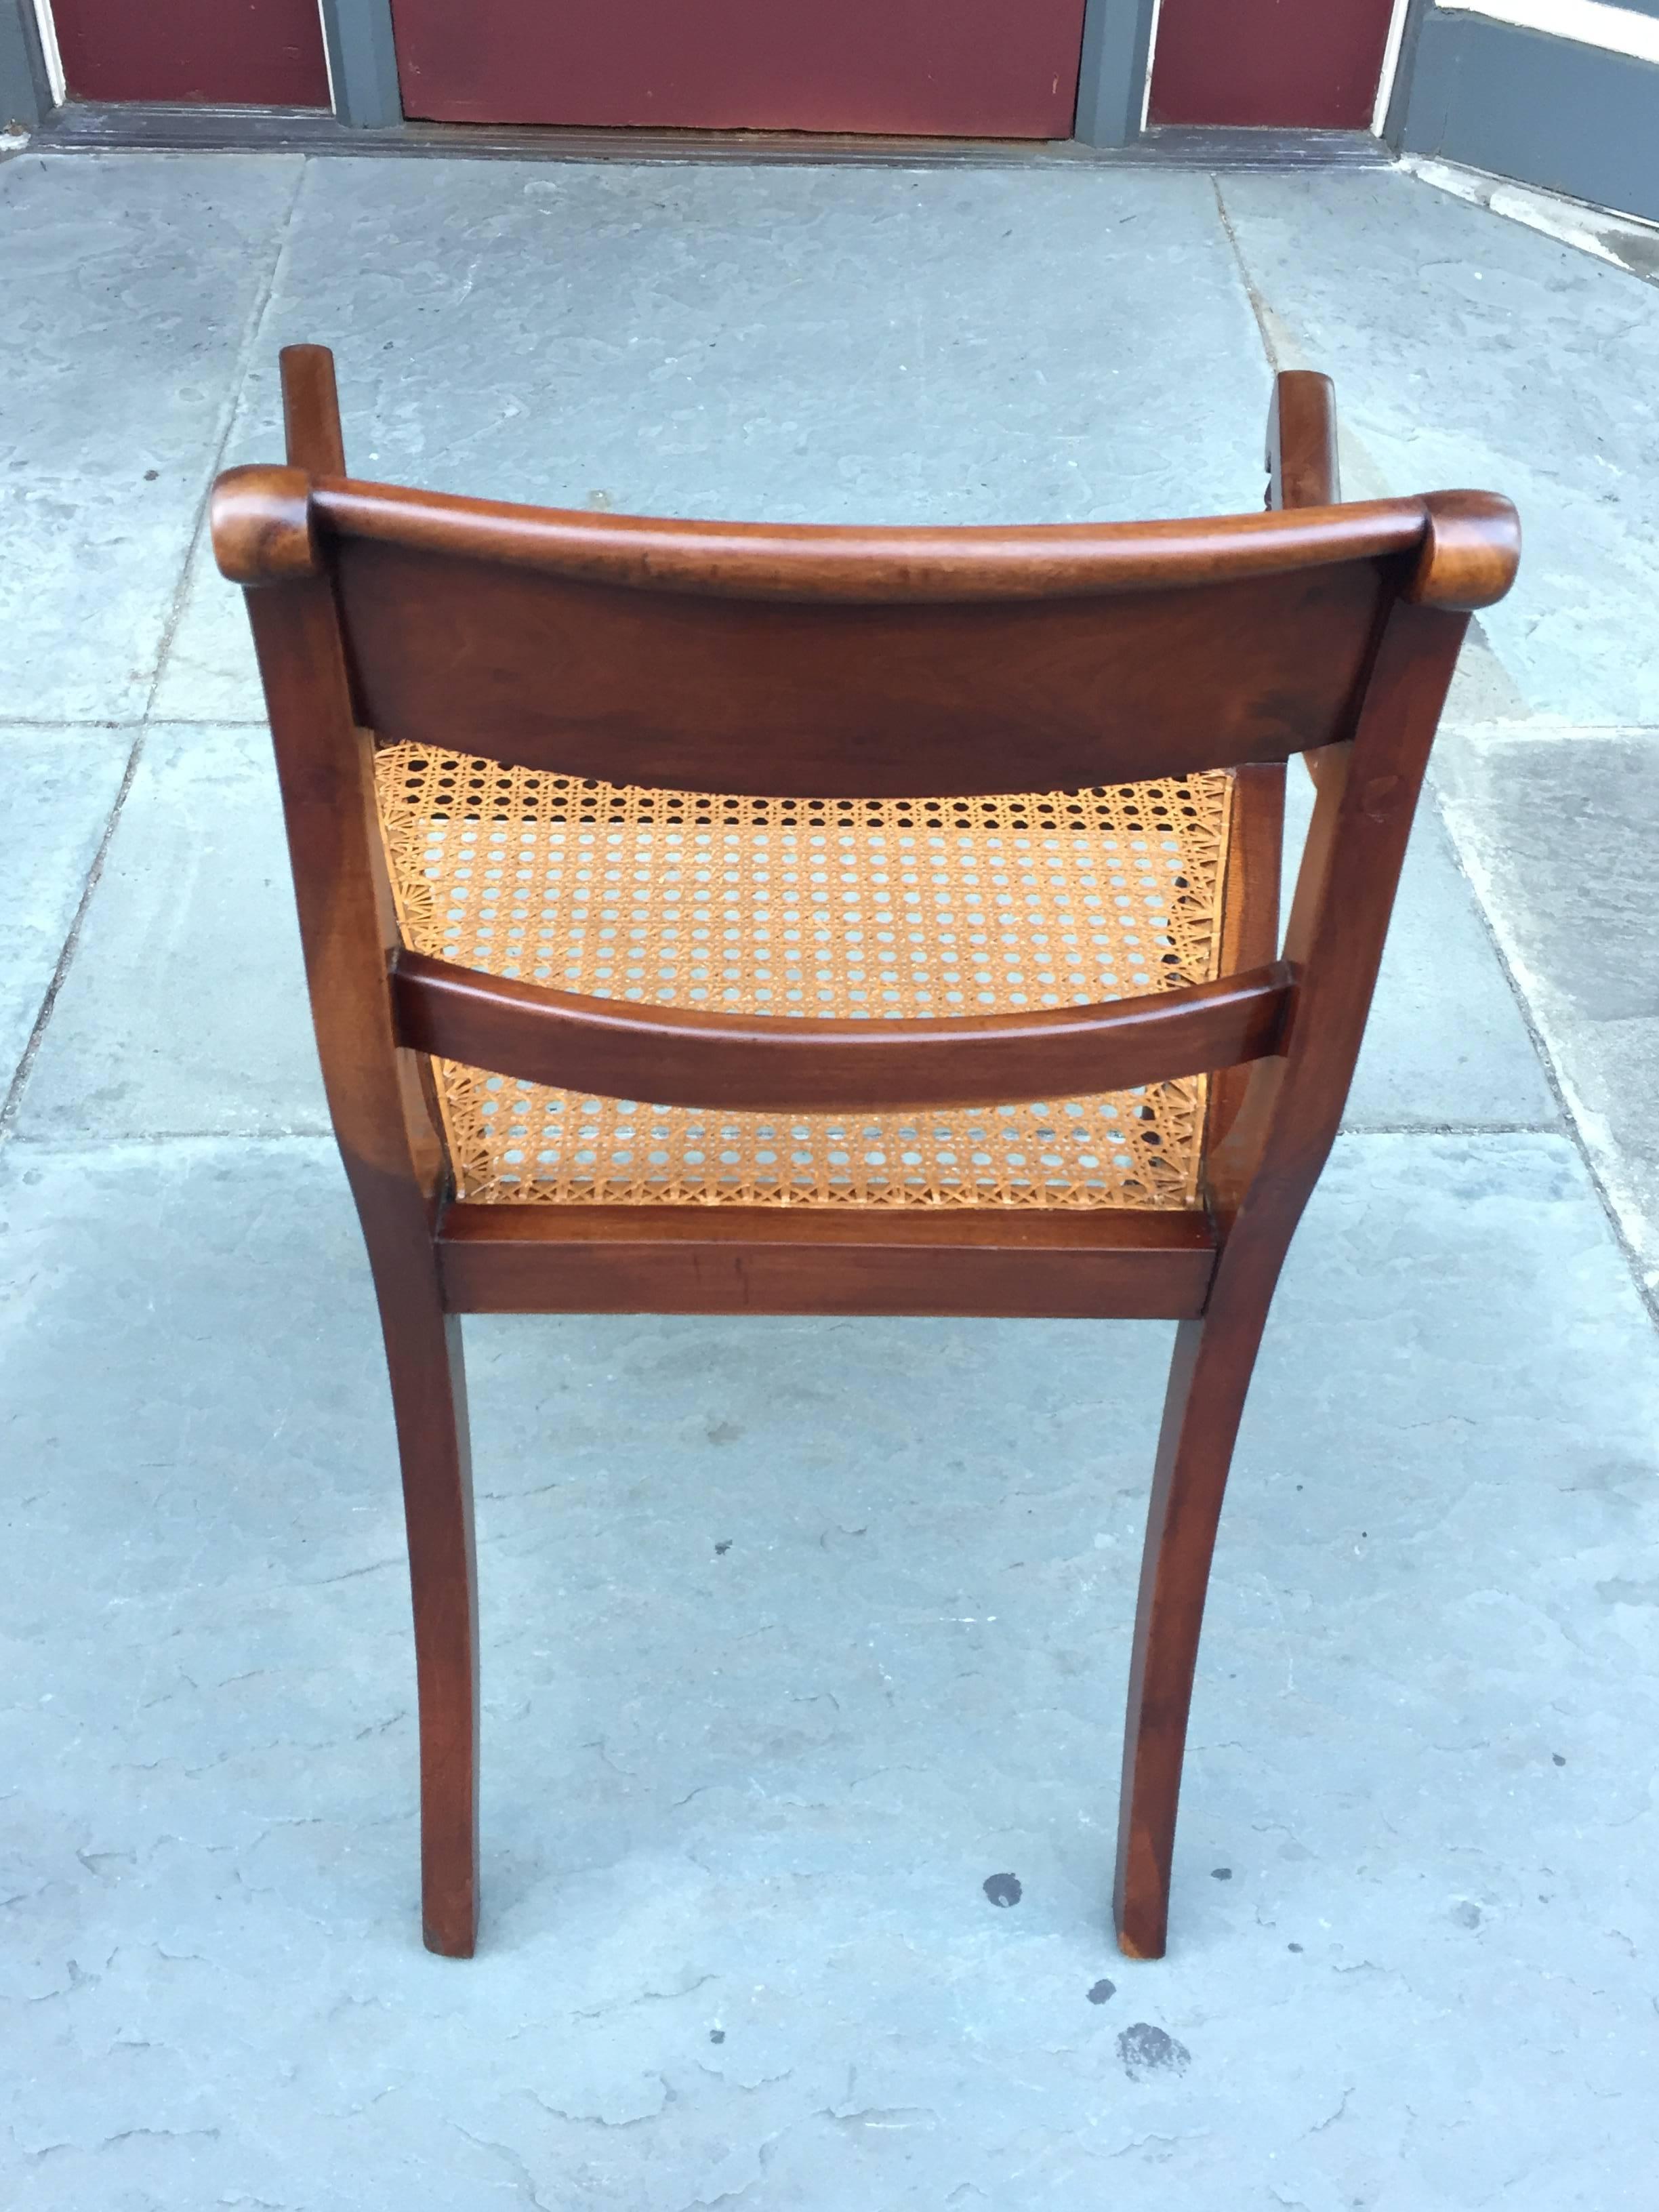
(1390, 67)
(328, 60)
(1588, 22)
(54, 60)
(1152, 56)
(1592, 230)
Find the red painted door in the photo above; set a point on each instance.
(1000, 69)
(1314, 62)
(235, 52)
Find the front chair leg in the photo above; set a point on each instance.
(1208, 1382)
(428, 1395)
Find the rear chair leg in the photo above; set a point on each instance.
(1208, 1382)
(428, 1395)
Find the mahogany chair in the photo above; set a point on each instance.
(684, 903)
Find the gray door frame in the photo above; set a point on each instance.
(1111, 92)
(25, 86)
(363, 63)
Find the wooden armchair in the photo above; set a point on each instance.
(685, 905)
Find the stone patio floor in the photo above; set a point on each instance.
(797, 1634)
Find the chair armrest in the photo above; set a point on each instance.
(1302, 467)
(311, 411)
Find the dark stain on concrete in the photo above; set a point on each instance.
(1147, 2050)
(1639, 255)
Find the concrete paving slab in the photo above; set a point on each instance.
(798, 344)
(129, 282)
(1562, 838)
(1468, 350)
(61, 788)
(797, 1635)
(1447, 1044)
(184, 1010)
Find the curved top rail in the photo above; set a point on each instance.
(265, 522)
(264, 527)
(874, 564)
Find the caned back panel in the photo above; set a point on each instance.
(793, 692)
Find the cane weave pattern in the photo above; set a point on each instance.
(842, 907)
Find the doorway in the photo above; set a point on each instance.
(1315, 64)
(259, 53)
(997, 69)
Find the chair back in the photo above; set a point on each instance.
(846, 663)
(836, 663)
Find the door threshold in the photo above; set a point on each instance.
(91, 127)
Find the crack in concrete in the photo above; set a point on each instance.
(598, 2119)
(641, 1997)
(522, 2174)
(1259, 306)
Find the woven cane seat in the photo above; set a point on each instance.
(860, 909)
